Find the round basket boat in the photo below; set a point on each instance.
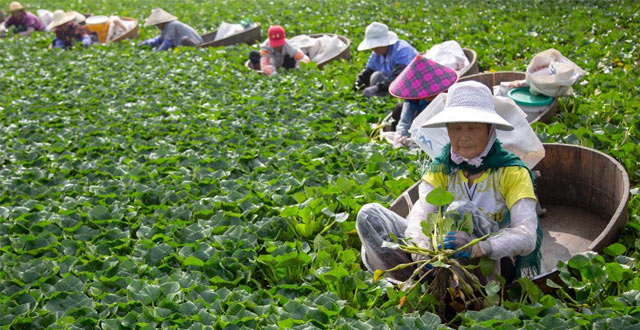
(584, 193)
(248, 36)
(472, 68)
(344, 54)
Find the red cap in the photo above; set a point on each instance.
(276, 36)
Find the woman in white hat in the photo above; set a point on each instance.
(173, 33)
(389, 56)
(23, 21)
(489, 182)
(67, 31)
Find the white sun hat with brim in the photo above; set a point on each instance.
(59, 18)
(377, 35)
(159, 16)
(469, 102)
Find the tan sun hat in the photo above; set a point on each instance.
(77, 17)
(59, 18)
(15, 6)
(159, 16)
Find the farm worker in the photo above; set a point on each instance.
(67, 31)
(417, 85)
(388, 58)
(23, 21)
(276, 52)
(489, 182)
(173, 33)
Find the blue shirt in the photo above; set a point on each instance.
(400, 53)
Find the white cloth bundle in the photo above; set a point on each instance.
(318, 49)
(226, 30)
(449, 54)
(45, 16)
(117, 27)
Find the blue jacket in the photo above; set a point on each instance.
(400, 53)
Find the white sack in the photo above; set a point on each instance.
(552, 74)
(449, 54)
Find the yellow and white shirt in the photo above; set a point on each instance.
(495, 192)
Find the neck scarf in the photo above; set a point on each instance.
(476, 161)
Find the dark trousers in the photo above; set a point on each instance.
(254, 57)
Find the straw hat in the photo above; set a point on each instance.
(77, 17)
(15, 6)
(159, 16)
(377, 35)
(469, 102)
(421, 79)
(59, 18)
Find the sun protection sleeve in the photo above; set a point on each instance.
(265, 63)
(300, 56)
(519, 239)
(418, 214)
(86, 40)
(166, 44)
(153, 42)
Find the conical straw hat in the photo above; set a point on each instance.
(421, 79)
(159, 16)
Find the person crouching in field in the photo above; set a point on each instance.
(23, 21)
(388, 58)
(276, 52)
(173, 33)
(416, 86)
(67, 32)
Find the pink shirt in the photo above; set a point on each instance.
(28, 20)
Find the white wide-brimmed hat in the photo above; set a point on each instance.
(377, 35)
(15, 6)
(469, 102)
(159, 16)
(59, 18)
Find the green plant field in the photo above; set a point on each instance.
(144, 190)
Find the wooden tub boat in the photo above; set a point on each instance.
(585, 194)
(491, 79)
(248, 36)
(132, 33)
(472, 68)
(344, 54)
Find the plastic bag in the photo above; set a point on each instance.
(552, 74)
(226, 30)
(522, 140)
(449, 54)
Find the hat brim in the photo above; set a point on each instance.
(154, 22)
(368, 44)
(276, 42)
(16, 9)
(68, 18)
(467, 115)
